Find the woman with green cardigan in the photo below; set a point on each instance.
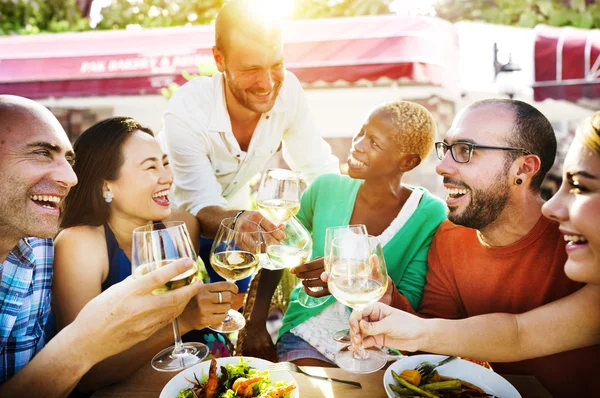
(394, 139)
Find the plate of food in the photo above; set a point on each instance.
(458, 378)
(230, 378)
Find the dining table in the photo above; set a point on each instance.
(147, 383)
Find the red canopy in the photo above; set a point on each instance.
(567, 63)
(142, 61)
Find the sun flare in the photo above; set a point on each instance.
(275, 9)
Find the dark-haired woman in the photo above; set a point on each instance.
(124, 180)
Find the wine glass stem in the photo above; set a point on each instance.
(360, 353)
(178, 349)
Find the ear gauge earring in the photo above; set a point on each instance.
(108, 197)
(519, 181)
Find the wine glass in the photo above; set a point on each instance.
(355, 232)
(234, 256)
(278, 199)
(278, 192)
(154, 246)
(357, 278)
(294, 249)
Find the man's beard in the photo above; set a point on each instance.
(485, 206)
(244, 98)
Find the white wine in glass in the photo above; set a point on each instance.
(357, 277)
(278, 195)
(294, 249)
(234, 256)
(154, 246)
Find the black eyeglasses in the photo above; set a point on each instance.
(462, 151)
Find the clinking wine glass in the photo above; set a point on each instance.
(294, 249)
(278, 192)
(278, 199)
(154, 246)
(355, 232)
(357, 277)
(234, 256)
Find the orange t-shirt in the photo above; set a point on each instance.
(467, 278)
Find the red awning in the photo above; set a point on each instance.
(567, 63)
(142, 61)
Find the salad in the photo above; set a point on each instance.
(236, 380)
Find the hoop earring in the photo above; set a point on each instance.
(108, 197)
(519, 181)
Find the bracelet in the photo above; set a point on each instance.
(235, 218)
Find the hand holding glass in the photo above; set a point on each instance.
(154, 246)
(357, 277)
(234, 256)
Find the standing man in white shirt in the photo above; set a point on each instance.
(220, 131)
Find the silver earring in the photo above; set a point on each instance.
(108, 197)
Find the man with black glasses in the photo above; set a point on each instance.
(497, 253)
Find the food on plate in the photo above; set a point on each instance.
(433, 386)
(236, 380)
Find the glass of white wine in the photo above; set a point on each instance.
(357, 277)
(356, 233)
(278, 192)
(234, 256)
(294, 249)
(278, 199)
(154, 246)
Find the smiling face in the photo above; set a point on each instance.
(141, 189)
(576, 206)
(374, 151)
(253, 70)
(36, 174)
(478, 191)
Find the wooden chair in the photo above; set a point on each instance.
(268, 290)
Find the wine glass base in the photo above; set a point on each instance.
(234, 322)
(309, 301)
(373, 361)
(192, 354)
(342, 336)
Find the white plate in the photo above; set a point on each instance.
(489, 381)
(178, 382)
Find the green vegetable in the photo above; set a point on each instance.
(443, 385)
(187, 393)
(400, 391)
(230, 373)
(406, 384)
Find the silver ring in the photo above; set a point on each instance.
(220, 297)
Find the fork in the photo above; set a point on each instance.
(292, 367)
(426, 368)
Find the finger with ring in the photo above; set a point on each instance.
(220, 295)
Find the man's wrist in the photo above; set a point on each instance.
(81, 346)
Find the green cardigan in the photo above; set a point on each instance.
(329, 202)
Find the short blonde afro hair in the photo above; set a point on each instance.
(415, 128)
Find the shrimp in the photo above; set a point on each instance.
(243, 386)
(278, 391)
(212, 384)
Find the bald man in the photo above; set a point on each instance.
(35, 176)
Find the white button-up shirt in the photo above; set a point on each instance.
(209, 167)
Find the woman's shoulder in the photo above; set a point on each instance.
(81, 239)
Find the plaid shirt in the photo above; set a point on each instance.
(24, 303)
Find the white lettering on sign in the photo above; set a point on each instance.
(165, 64)
(92, 66)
